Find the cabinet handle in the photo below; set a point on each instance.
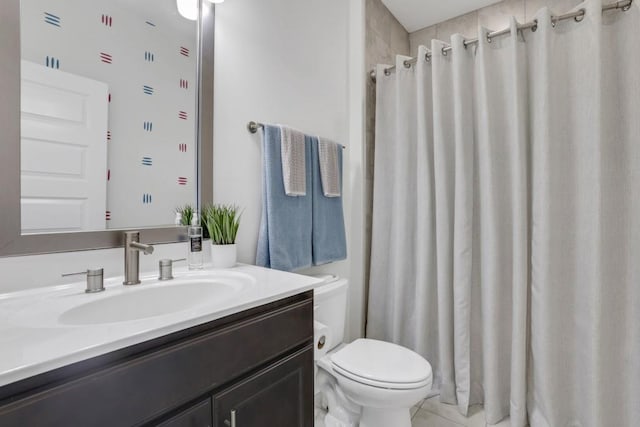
(233, 419)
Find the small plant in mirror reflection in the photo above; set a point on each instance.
(186, 214)
(222, 222)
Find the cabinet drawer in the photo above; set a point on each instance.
(141, 388)
(199, 415)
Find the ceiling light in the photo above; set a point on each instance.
(188, 9)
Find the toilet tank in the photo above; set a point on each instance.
(330, 307)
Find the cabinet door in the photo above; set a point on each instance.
(278, 396)
(199, 415)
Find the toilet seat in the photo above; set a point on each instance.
(380, 384)
(381, 364)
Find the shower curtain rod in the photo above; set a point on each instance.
(253, 127)
(578, 15)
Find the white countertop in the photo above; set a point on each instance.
(34, 341)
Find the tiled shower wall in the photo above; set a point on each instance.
(385, 38)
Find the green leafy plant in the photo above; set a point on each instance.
(222, 222)
(186, 214)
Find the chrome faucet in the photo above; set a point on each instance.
(132, 249)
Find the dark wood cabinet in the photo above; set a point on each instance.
(258, 363)
(274, 397)
(198, 415)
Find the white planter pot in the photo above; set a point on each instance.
(223, 256)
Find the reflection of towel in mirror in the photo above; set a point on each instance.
(329, 169)
(329, 241)
(284, 240)
(293, 161)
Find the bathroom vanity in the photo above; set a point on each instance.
(243, 360)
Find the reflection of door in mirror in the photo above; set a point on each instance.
(142, 53)
(63, 157)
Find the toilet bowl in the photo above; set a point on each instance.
(368, 382)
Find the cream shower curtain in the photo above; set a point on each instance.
(506, 223)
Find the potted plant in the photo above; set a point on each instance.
(222, 222)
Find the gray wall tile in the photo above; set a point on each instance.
(399, 39)
(557, 6)
(467, 25)
(494, 17)
(422, 37)
(385, 36)
(497, 16)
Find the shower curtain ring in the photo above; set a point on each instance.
(534, 28)
(580, 17)
(445, 52)
(387, 72)
(628, 6)
(489, 38)
(407, 64)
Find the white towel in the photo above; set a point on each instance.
(329, 167)
(293, 154)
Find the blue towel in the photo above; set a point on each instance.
(329, 241)
(284, 241)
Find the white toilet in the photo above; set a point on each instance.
(366, 383)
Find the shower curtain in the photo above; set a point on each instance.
(506, 219)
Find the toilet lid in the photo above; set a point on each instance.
(382, 364)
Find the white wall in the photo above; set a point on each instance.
(292, 62)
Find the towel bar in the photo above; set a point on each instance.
(253, 127)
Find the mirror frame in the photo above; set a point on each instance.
(12, 242)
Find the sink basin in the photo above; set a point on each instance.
(150, 301)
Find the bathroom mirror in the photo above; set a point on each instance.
(101, 120)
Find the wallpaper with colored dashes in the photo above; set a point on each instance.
(146, 55)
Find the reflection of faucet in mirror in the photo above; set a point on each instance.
(132, 249)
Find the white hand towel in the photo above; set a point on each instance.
(292, 151)
(329, 167)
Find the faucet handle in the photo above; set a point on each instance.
(166, 268)
(95, 279)
(145, 249)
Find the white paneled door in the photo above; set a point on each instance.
(63, 151)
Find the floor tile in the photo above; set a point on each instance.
(415, 408)
(319, 418)
(432, 413)
(476, 420)
(450, 412)
(504, 423)
(428, 419)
